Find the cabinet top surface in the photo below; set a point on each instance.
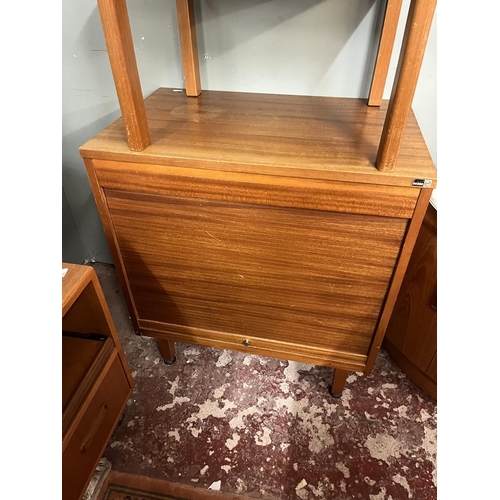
(73, 283)
(298, 136)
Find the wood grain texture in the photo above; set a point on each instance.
(116, 27)
(412, 53)
(291, 136)
(85, 315)
(189, 46)
(83, 360)
(77, 357)
(167, 350)
(84, 310)
(426, 381)
(96, 378)
(413, 325)
(399, 273)
(83, 450)
(339, 380)
(432, 369)
(291, 192)
(102, 207)
(302, 352)
(253, 270)
(386, 45)
(88, 312)
(73, 283)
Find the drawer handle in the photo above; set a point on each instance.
(93, 429)
(246, 343)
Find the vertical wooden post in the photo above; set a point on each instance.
(385, 48)
(189, 47)
(416, 34)
(116, 27)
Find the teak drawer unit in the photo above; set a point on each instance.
(96, 379)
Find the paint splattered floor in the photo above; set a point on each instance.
(267, 428)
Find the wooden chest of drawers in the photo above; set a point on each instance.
(96, 380)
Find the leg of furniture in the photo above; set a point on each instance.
(189, 46)
(387, 37)
(116, 27)
(410, 61)
(167, 350)
(339, 379)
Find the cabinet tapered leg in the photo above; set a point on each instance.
(167, 350)
(339, 378)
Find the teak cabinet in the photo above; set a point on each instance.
(411, 337)
(269, 224)
(96, 379)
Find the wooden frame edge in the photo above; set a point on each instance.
(399, 273)
(102, 207)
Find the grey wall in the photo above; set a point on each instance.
(73, 250)
(308, 47)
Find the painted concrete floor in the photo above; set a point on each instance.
(267, 428)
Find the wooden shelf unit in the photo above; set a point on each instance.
(271, 224)
(96, 379)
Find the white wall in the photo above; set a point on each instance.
(308, 47)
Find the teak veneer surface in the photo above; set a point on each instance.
(77, 357)
(96, 380)
(296, 136)
(260, 223)
(74, 282)
(306, 277)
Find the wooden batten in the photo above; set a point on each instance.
(417, 31)
(386, 45)
(116, 27)
(189, 47)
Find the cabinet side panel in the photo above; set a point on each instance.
(107, 224)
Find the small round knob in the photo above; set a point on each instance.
(246, 342)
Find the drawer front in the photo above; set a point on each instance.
(305, 277)
(346, 197)
(92, 433)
